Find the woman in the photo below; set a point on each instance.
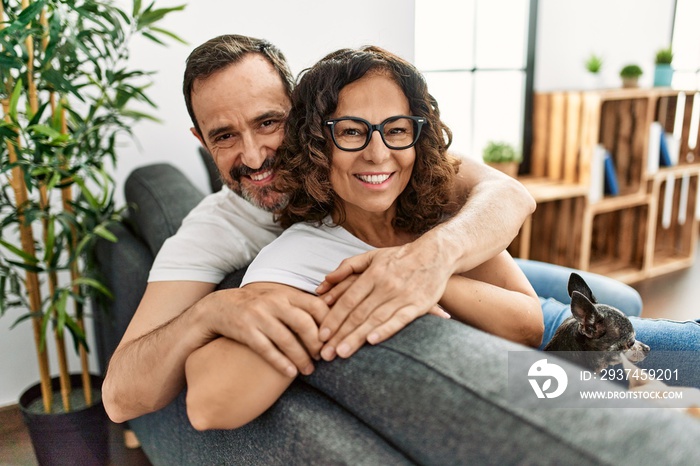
(366, 166)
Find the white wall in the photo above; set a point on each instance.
(305, 30)
(622, 31)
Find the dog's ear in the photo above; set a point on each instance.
(576, 283)
(590, 321)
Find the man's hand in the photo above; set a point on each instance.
(375, 305)
(278, 322)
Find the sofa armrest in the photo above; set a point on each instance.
(124, 268)
(159, 197)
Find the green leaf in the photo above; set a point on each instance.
(50, 239)
(92, 283)
(103, 232)
(170, 34)
(48, 131)
(136, 10)
(78, 334)
(28, 258)
(153, 38)
(59, 307)
(87, 194)
(14, 100)
(44, 325)
(10, 62)
(24, 317)
(28, 267)
(149, 16)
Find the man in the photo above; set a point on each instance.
(408, 399)
(238, 105)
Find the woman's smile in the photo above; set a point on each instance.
(374, 180)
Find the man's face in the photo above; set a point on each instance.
(241, 112)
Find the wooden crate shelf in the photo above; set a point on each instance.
(622, 236)
(675, 227)
(618, 240)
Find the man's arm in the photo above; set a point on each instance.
(175, 318)
(399, 284)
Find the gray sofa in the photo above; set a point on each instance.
(161, 196)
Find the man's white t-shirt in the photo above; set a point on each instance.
(303, 255)
(223, 233)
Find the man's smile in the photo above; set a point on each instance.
(262, 176)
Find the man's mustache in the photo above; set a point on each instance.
(236, 173)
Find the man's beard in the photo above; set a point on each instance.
(263, 197)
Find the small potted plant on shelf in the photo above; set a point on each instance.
(65, 96)
(593, 65)
(663, 73)
(502, 156)
(630, 75)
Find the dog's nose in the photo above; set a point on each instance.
(645, 348)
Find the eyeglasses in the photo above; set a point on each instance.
(353, 134)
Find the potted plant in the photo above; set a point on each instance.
(502, 156)
(65, 97)
(630, 75)
(663, 73)
(593, 65)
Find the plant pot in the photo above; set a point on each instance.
(509, 168)
(629, 83)
(594, 81)
(77, 437)
(663, 75)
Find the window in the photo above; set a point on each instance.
(686, 45)
(473, 54)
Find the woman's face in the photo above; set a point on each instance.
(370, 180)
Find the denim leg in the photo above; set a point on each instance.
(674, 345)
(550, 281)
(554, 313)
(438, 392)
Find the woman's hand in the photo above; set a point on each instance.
(376, 294)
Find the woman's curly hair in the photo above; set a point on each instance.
(303, 162)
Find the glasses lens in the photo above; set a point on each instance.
(350, 134)
(400, 132)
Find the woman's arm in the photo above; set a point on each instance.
(229, 384)
(497, 298)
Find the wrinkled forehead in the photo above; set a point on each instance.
(244, 90)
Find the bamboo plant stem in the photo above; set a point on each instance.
(45, 206)
(27, 240)
(53, 285)
(67, 196)
(31, 282)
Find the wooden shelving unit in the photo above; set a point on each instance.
(644, 231)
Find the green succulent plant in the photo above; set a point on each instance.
(664, 56)
(500, 152)
(631, 71)
(594, 63)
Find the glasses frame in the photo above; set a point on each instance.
(419, 121)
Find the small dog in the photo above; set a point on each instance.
(596, 335)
